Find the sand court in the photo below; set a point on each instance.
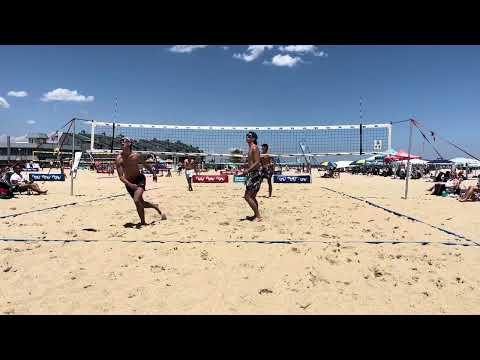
(101, 209)
(332, 271)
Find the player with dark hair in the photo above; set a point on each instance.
(268, 167)
(254, 175)
(128, 171)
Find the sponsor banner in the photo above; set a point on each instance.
(210, 179)
(239, 179)
(47, 177)
(294, 179)
(31, 169)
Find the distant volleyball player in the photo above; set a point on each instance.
(189, 166)
(268, 167)
(128, 171)
(254, 176)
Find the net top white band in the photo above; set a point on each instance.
(238, 128)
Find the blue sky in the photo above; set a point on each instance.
(238, 85)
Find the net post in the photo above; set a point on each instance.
(73, 156)
(92, 137)
(113, 138)
(361, 139)
(407, 172)
(8, 149)
(389, 139)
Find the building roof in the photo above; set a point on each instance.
(38, 136)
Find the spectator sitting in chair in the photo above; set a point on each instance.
(21, 184)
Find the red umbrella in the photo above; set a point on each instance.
(403, 155)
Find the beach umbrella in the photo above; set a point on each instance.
(403, 155)
(327, 164)
(359, 162)
(391, 152)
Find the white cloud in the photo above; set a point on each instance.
(225, 47)
(298, 48)
(253, 52)
(285, 60)
(186, 48)
(3, 103)
(17, 93)
(66, 95)
(31, 122)
(304, 49)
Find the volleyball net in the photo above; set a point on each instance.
(225, 142)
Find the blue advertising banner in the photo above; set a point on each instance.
(239, 179)
(294, 179)
(47, 177)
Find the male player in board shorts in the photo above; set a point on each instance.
(254, 176)
(189, 166)
(268, 166)
(128, 172)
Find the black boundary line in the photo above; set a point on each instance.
(402, 215)
(283, 242)
(68, 204)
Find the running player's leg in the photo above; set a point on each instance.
(139, 203)
(149, 205)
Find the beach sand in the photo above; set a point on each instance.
(333, 272)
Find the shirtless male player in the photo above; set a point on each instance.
(268, 167)
(254, 176)
(189, 166)
(128, 172)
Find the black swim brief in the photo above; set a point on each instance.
(140, 181)
(254, 180)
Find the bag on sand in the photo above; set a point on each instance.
(5, 191)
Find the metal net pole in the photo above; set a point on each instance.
(73, 157)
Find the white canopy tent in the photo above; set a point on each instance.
(465, 162)
(343, 164)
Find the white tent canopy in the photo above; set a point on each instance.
(412, 161)
(465, 161)
(343, 164)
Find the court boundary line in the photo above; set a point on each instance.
(451, 233)
(68, 204)
(267, 242)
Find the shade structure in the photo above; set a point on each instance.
(403, 155)
(328, 164)
(359, 162)
(465, 162)
(440, 162)
(342, 164)
(413, 162)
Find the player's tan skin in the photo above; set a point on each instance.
(268, 163)
(253, 164)
(128, 170)
(189, 164)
